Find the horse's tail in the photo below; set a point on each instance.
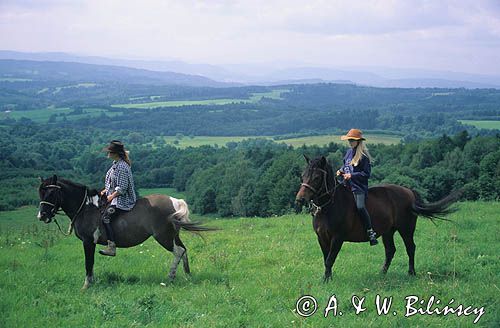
(194, 226)
(181, 217)
(181, 210)
(435, 210)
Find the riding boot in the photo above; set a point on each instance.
(372, 236)
(110, 250)
(368, 226)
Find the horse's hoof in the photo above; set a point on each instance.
(412, 273)
(327, 279)
(383, 270)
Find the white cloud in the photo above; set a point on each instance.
(452, 35)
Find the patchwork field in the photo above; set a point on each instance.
(249, 274)
(43, 115)
(197, 141)
(483, 124)
(275, 94)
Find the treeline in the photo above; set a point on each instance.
(253, 177)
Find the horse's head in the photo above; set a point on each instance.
(50, 199)
(315, 180)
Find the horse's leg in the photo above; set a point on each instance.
(407, 235)
(325, 248)
(185, 261)
(390, 248)
(335, 246)
(167, 240)
(89, 249)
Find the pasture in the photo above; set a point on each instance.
(42, 115)
(249, 274)
(255, 97)
(482, 124)
(320, 140)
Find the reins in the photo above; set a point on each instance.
(55, 209)
(314, 208)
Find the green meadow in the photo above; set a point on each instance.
(255, 97)
(43, 115)
(248, 274)
(482, 124)
(321, 140)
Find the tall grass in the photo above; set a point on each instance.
(249, 274)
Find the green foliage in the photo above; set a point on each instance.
(252, 177)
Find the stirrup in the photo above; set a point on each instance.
(372, 236)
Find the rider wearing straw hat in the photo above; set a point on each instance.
(355, 171)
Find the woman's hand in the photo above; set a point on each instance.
(347, 176)
(338, 173)
(102, 192)
(112, 196)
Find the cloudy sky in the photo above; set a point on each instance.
(456, 35)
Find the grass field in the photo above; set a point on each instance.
(255, 97)
(482, 124)
(296, 142)
(249, 274)
(43, 115)
(326, 139)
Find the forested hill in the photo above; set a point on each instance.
(253, 177)
(27, 70)
(246, 111)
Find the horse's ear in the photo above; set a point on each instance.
(323, 161)
(41, 179)
(307, 159)
(54, 179)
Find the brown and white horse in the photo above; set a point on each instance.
(159, 216)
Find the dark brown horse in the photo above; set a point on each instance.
(159, 216)
(335, 219)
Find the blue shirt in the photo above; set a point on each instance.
(359, 173)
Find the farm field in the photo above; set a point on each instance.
(326, 139)
(482, 124)
(275, 94)
(43, 115)
(250, 273)
(197, 141)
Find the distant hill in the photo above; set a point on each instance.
(271, 74)
(79, 72)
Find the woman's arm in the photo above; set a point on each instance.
(365, 168)
(123, 175)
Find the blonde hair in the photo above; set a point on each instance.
(361, 150)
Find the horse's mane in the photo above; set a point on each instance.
(91, 191)
(328, 167)
(71, 183)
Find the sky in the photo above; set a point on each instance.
(455, 35)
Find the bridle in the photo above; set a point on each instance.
(56, 207)
(314, 208)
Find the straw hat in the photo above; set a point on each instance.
(353, 134)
